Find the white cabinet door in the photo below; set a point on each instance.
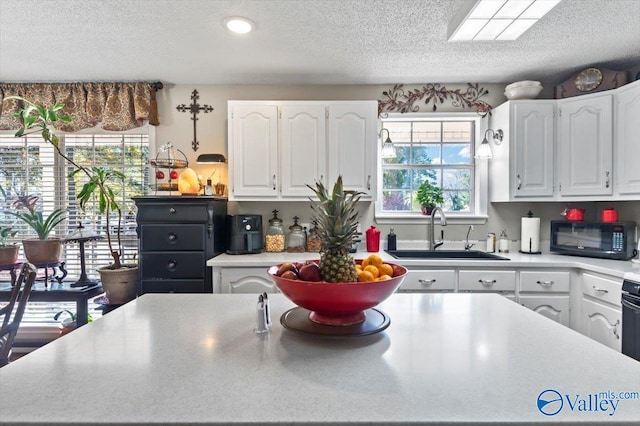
(627, 140)
(487, 280)
(303, 148)
(602, 323)
(553, 307)
(585, 142)
(352, 145)
(253, 150)
(246, 280)
(429, 280)
(532, 136)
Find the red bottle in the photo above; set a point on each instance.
(373, 239)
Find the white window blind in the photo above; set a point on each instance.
(30, 166)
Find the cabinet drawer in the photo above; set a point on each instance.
(172, 286)
(429, 280)
(545, 281)
(172, 237)
(172, 212)
(172, 265)
(602, 288)
(487, 281)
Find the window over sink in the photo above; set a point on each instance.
(439, 148)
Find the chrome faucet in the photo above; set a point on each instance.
(468, 246)
(443, 222)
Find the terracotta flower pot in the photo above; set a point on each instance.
(40, 252)
(9, 255)
(119, 285)
(426, 210)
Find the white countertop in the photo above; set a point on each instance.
(615, 268)
(194, 358)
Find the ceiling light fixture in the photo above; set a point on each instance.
(486, 20)
(239, 24)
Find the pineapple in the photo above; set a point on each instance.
(337, 226)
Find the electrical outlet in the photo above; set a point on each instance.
(305, 225)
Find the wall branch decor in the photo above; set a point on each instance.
(400, 101)
(194, 108)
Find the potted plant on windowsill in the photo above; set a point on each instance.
(69, 324)
(119, 280)
(44, 249)
(429, 196)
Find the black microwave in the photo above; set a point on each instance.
(608, 240)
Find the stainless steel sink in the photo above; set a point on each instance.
(444, 254)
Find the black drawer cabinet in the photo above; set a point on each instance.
(177, 235)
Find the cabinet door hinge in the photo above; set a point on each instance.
(560, 112)
(231, 114)
(560, 188)
(326, 113)
(280, 114)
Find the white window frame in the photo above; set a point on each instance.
(481, 174)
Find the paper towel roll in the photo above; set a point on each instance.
(530, 235)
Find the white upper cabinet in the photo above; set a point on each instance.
(253, 150)
(627, 140)
(523, 164)
(352, 145)
(585, 146)
(277, 148)
(303, 145)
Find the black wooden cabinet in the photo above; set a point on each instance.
(177, 235)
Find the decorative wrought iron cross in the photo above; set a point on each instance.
(194, 108)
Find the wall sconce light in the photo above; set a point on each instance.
(388, 150)
(484, 150)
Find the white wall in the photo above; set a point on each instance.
(212, 133)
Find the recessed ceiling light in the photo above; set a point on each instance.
(239, 24)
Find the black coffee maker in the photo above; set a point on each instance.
(245, 234)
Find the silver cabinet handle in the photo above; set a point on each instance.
(600, 290)
(606, 174)
(274, 182)
(615, 329)
(519, 182)
(427, 282)
(545, 283)
(369, 182)
(171, 265)
(172, 210)
(487, 282)
(172, 236)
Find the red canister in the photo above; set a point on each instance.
(373, 239)
(609, 215)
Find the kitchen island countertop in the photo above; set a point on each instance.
(445, 358)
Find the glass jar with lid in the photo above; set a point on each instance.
(274, 238)
(314, 242)
(297, 241)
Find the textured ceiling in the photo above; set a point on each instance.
(301, 42)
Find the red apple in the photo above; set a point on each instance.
(173, 174)
(286, 267)
(290, 275)
(397, 270)
(160, 174)
(310, 272)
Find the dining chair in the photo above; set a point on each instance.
(19, 298)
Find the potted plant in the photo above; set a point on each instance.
(8, 249)
(429, 196)
(69, 323)
(44, 249)
(119, 280)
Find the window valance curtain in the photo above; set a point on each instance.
(115, 106)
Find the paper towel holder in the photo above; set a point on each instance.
(530, 215)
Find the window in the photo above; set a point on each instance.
(28, 165)
(436, 148)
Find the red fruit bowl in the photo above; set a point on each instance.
(338, 304)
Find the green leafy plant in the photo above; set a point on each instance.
(42, 119)
(72, 316)
(429, 195)
(26, 210)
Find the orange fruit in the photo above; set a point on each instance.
(365, 276)
(359, 267)
(374, 271)
(374, 259)
(386, 269)
(383, 277)
(365, 262)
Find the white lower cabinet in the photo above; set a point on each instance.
(547, 293)
(428, 280)
(242, 280)
(602, 323)
(555, 307)
(487, 280)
